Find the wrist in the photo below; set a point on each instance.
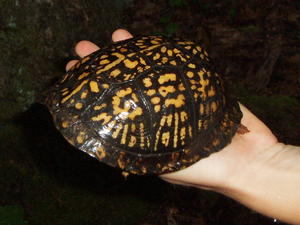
(269, 183)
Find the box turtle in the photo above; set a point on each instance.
(149, 104)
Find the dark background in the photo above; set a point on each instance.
(254, 44)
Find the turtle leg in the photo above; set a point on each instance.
(242, 129)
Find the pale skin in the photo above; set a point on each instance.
(254, 169)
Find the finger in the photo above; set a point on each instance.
(70, 64)
(84, 48)
(120, 35)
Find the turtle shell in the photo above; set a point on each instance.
(149, 104)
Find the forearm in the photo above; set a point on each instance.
(271, 184)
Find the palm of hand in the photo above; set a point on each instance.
(219, 168)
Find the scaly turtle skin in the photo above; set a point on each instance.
(149, 104)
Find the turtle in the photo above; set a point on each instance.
(147, 105)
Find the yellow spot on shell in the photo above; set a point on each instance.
(193, 87)
(121, 162)
(123, 92)
(154, 42)
(155, 100)
(164, 90)
(201, 109)
(100, 153)
(130, 64)
(103, 116)
(142, 61)
(115, 72)
(211, 92)
(84, 94)
(80, 138)
(77, 89)
(78, 105)
(83, 75)
(169, 119)
(164, 59)
(149, 48)
(165, 138)
(132, 141)
(117, 131)
(66, 75)
(167, 77)
(176, 119)
(163, 49)
(157, 108)
(133, 127)
(124, 135)
(94, 86)
(182, 135)
(65, 93)
(181, 87)
(199, 48)
(98, 107)
(84, 59)
(170, 52)
(134, 97)
(147, 82)
(105, 86)
(103, 62)
(185, 43)
(110, 125)
(191, 65)
(176, 51)
(200, 123)
(104, 57)
(119, 59)
(214, 106)
(142, 138)
(65, 124)
(177, 102)
(151, 92)
(173, 62)
(183, 116)
(190, 131)
(136, 112)
(156, 56)
(190, 74)
(157, 136)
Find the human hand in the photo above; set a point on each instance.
(255, 169)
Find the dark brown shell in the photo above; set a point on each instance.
(146, 105)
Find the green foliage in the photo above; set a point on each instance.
(278, 103)
(172, 28)
(12, 215)
(262, 104)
